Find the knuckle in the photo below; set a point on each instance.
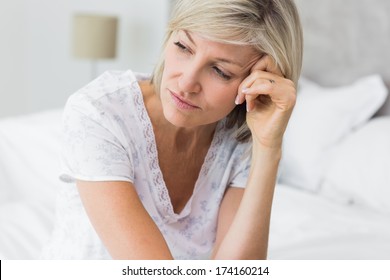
(289, 82)
(256, 74)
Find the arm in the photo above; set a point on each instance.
(244, 217)
(270, 99)
(121, 221)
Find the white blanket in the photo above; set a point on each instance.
(303, 225)
(29, 166)
(309, 226)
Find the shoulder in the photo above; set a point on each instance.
(109, 94)
(235, 152)
(229, 141)
(109, 84)
(228, 155)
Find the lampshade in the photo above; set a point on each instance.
(94, 36)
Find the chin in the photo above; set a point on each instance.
(178, 120)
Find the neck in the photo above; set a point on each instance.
(179, 138)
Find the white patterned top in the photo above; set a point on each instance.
(108, 136)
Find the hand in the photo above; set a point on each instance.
(270, 99)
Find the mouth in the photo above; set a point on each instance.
(182, 103)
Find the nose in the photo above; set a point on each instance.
(189, 79)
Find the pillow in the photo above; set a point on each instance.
(360, 170)
(321, 118)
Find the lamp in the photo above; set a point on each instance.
(94, 38)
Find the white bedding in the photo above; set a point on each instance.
(29, 169)
(304, 225)
(308, 226)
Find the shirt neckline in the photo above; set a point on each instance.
(160, 192)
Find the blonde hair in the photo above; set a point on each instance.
(271, 27)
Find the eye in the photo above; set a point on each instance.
(221, 73)
(181, 46)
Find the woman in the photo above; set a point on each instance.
(183, 165)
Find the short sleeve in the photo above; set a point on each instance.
(241, 167)
(90, 150)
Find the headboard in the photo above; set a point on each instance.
(345, 40)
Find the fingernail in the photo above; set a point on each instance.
(247, 107)
(237, 101)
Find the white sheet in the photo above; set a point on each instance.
(29, 167)
(308, 226)
(303, 225)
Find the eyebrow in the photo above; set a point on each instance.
(218, 58)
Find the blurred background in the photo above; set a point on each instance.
(38, 66)
(331, 201)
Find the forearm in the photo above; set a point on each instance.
(121, 221)
(247, 236)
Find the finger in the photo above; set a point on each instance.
(269, 80)
(281, 92)
(247, 83)
(267, 64)
(253, 98)
(258, 82)
(263, 85)
(265, 68)
(250, 102)
(251, 94)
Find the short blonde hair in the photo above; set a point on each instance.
(272, 27)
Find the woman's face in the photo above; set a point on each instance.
(201, 78)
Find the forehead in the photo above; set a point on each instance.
(240, 53)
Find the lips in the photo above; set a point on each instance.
(182, 103)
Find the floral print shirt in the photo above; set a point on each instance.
(108, 136)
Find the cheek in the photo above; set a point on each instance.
(224, 93)
(171, 62)
(169, 69)
(222, 97)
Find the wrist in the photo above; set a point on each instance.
(265, 159)
(274, 151)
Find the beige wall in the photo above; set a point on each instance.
(37, 70)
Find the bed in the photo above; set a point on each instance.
(332, 196)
